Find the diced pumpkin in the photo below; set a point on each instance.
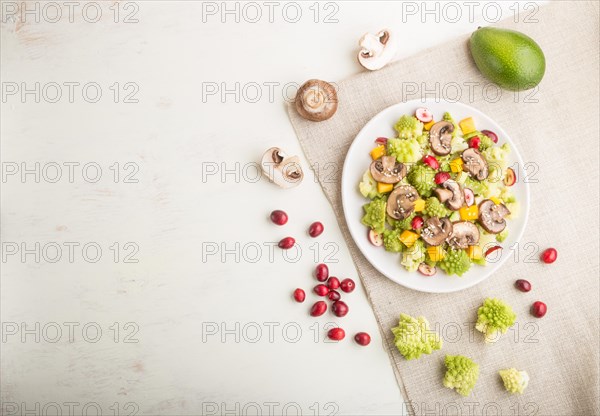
(475, 252)
(467, 125)
(436, 253)
(456, 165)
(377, 152)
(384, 188)
(496, 200)
(419, 205)
(469, 213)
(408, 238)
(427, 126)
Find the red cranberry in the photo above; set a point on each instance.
(381, 140)
(523, 285)
(474, 142)
(362, 338)
(441, 177)
(279, 217)
(538, 309)
(347, 285)
(339, 308)
(299, 295)
(336, 334)
(315, 229)
(333, 283)
(334, 295)
(416, 223)
(432, 162)
(321, 290)
(549, 255)
(287, 243)
(318, 308)
(491, 135)
(322, 272)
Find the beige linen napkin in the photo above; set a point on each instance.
(555, 127)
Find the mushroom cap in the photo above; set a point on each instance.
(491, 216)
(387, 169)
(464, 234)
(442, 194)
(436, 230)
(377, 50)
(401, 202)
(458, 197)
(475, 163)
(282, 170)
(440, 137)
(316, 100)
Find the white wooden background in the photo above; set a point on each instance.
(183, 331)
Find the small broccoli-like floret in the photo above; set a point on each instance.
(485, 143)
(500, 237)
(405, 224)
(423, 139)
(515, 381)
(434, 208)
(413, 256)
(413, 337)
(405, 150)
(368, 186)
(375, 215)
(456, 262)
(391, 240)
(461, 374)
(476, 186)
(408, 127)
(421, 177)
(494, 318)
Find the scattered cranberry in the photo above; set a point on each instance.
(441, 177)
(491, 250)
(523, 285)
(287, 243)
(491, 135)
(318, 308)
(348, 285)
(538, 309)
(362, 338)
(321, 290)
(474, 142)
(423, 115)
(322, 272)
(299, 295)
(416, 223)
(334, 295)
(381, 140)
(336, 334)
(333, 283)
(375, 238)
(549, 255)
(431, 162)
(279, 217)
(339, 308)
(315, 229)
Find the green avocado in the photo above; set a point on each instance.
(508, 58)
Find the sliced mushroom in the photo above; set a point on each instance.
(464, 234)
(442, 194)
(377, 50)
(440, 137)
(401, 202)
(387, 169)
(491, 216)
(475, 163)
(316, 100)
(436, 230)
(458, 198)
(282, 170)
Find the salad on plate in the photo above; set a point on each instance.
(439, 193)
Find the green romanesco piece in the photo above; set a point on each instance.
(500, 237)
(478, 187)
(413, 337)
(375, 214)
(405, 224)
(494, 318)
(405, 150)
(421, 177)
(461, 374)
(456, 262)
(368, 186)
(391, 240)
(485, 143)
(515, 381)
(497, 160)
(413, 256)
(408, 127)
(434, 208)
(423, 139)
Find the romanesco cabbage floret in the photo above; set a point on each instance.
(405, 224)
(391, 240)
(494, 318)
(423, 139)
(413, 256)
(485, 143)
(497, 159)
(368, 186)
(408, 127)
(375, 215)
(413, 337)
(515, 381)
(456, 262)
(476, 186)
(461, 374)
(421, 177)
(434, 208)
(405, 150)
(500, 237)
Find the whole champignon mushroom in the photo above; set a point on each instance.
(440, 137)
(442, 194)
(491, 216)
(377, 50)
(387, 169)
(436, 230)
(464, 234)
(401, 202)
(458, 197)
(475, 163)
(282, 170)
(316, 100)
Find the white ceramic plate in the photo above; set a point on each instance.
(358, 160)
